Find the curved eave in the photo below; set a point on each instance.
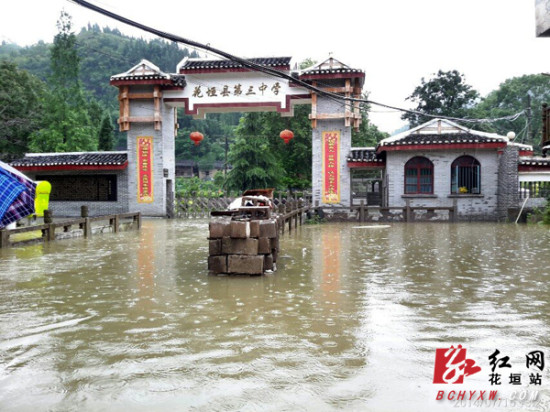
(333, 75)
(75, 167)
(138, 81)
(370, 165)
(207, 70)
(440, 146)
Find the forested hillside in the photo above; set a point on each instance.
(102, 52)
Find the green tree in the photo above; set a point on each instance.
(106, 139)
(511, 97)
(67, 126)
(446, 94)
(254, 165)
(368, 134)
(20, 109)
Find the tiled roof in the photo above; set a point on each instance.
(72, 159)
(444, 138)
(328, 67)
(534, 161)
(195, 64)
(147, 71)
(364, 155)
(443, 132)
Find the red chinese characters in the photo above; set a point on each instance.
(331, 167)
(145, 169)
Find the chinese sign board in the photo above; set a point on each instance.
(330, 142)
(224, 92)
(145, 169)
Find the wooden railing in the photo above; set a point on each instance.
(83, 223)
(407, 210)
(534, 190)
(291, 212)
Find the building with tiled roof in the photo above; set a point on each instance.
(441, 164)
(98, 180)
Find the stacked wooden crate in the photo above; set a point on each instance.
(243, 246)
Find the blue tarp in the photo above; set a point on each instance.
(10, 189)
(14, 183)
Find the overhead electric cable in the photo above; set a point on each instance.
(276, 73)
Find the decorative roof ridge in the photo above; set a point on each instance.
(448, 131)
(332, 63)
(75, 153)
(154, 70)
(186, 63)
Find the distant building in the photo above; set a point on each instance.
(441, 164)
(96, 179)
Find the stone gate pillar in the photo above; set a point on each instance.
(332, 120)
(150, 130)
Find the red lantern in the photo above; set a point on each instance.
(196, 137)
(286, 135)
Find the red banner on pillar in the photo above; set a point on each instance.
(331, 167)
(145, 169)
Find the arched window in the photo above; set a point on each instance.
(465, 176)
(419, 176)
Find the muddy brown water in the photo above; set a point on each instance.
(350, 321)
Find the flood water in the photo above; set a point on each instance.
(350, 321)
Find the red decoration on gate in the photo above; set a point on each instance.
(196, 137)
(286, 135)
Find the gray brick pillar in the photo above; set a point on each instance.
(508, 182)
(319, 171)
(163, 154)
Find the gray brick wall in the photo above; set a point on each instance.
(163, 154)
(470, 207)
(325, 105)
(508, 182)
(72, 209)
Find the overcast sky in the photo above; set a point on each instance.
(396, 42)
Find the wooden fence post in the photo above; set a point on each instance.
(362, 211)
(84, 211)
(4, 238)
(115, 223)
(51, 232)
(48, 216)
(87, 227)
(454, 213)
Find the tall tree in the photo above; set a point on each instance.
(20, 109)
(513, 96)
(254, 164)
(446, 94)
(368, 134)
(106, 139)
(67, 126)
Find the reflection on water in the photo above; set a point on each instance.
(351, 320)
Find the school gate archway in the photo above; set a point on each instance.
(149, 97)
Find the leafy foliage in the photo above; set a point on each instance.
(67, 126)
(106, 138)
(254, 163)
(368, 134)
(446, 94)
(20, 109)
(191, 187)
(512, 97)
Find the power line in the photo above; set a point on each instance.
(273, 72)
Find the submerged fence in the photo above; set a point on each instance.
(195, 207)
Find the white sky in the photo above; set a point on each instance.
(396, 42)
